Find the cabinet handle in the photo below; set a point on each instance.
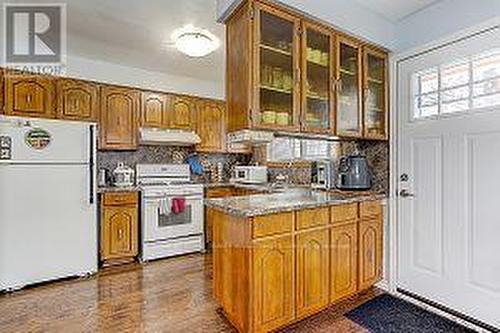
(120, 234)
(29, 98)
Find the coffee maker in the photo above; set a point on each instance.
(354, 173)
(323, 175)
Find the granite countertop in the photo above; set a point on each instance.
(108, 189)
(292, 199)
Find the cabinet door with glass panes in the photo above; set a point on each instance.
(276, 71)
(375, 94)
(349, 80)
(317, 84)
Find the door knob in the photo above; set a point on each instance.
(406, 194)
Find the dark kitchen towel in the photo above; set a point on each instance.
(178, 205)
(388, 314)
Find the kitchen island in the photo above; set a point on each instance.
(281, 257)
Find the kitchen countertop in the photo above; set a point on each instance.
(290, 200)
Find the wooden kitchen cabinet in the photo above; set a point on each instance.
(349, 83)
(286, 72)
(211, 126)
(119, 118)
(119, 227)
(273, 282)
(181, 112)
(263, 69)
(375, 110)
(370, 252)
(154, 109)
(312, 255)
(270, 271)
(318, 89)
(77, 100)
(28, 95)
(344, 261)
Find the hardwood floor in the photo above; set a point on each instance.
(172, 295)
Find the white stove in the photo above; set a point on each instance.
(166, 230)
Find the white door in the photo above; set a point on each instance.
(449, 166)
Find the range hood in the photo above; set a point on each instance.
(250, 137)
(168, 137)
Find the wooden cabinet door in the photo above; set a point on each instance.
(276, 72)
(119, 232)
(344, 261)
(29, 95)
(375, 97)
(370, 252)
(181, 112)
(211, 126)
(119, 118)
(77, 100)
(312, 253)
(318, 108)
(272, 282)
(349, 86)
(154, 109)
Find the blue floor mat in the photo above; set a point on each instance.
(387, 314)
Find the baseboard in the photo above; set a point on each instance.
(429, 307)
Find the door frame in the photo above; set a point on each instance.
(393, 209)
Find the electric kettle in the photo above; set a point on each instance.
(354, 173)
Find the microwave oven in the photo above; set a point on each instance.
(250, 174)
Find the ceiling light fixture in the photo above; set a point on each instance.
(195, 42)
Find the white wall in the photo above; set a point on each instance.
(78, 67)
(443, 18)
(346, 15)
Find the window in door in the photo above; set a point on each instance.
(463, 85)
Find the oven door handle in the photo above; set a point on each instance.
(187, 197)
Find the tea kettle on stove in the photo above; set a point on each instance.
(354, 173)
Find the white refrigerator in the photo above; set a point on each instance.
(48, 216)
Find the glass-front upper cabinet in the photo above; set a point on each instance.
(277, 95)
(349, 81)
(375, 94)
(317, 91)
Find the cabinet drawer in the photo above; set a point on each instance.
(342, 213)
(219, 192)
(312, 217)
(274, 224)
(119, 199)
(370, 208)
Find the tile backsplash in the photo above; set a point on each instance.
(170, 155)
(377, 153)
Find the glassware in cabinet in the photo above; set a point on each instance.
(375, 110)
(348, 88)
(317, 82)
(277, 68)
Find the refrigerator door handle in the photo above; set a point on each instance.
(91, 165)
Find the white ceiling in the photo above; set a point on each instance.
(135, 33)
(396, 10)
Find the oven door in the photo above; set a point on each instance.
(158, 226)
